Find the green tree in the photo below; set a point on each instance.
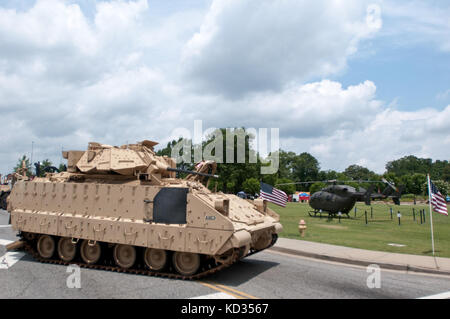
(317, 187)
(413, 183)
(328, 175)
(305, 168)
(234, 174)
(417, 180)
(288, 189)
(230, 185)
(442, 186)
(357, 172)
(44, 165)
(251, 186)
(409, 165)
(286, 168)
(440, 170)
(446, 173)
(167, 151)
(231, 175)
(270, 179)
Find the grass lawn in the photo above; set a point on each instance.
(379, 232)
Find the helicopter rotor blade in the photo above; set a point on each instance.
(334, 181)
(392, 185)
(297, 183)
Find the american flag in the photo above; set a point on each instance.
(438, 201)
(273, 195)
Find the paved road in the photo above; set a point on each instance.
(264, 275)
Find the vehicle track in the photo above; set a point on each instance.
(208, 268)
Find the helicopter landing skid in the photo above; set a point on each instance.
(329, 215)
(315, 212)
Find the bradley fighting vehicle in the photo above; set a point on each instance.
(122, 208)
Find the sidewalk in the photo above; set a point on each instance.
(361, 257)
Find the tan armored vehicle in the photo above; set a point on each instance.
(7, 182)
(122, 208)
(4, 193)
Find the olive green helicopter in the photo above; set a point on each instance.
(339, 198)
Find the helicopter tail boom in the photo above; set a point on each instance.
(368, 195)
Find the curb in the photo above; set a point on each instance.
(359, 262)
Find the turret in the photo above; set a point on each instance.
(127, 160)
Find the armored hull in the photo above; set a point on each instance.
(122, 208)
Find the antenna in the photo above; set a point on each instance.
(31, 158)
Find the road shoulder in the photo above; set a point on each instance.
(361, 257)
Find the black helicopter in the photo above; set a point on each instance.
(335, 199)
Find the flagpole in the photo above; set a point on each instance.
(431, 215)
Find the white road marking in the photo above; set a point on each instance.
(218, 295)
(4, 242)
(444, 295)
(10, 258)
(5, 226)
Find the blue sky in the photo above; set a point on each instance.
(412, 75)
(352, 82)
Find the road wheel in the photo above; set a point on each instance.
(155, 259)
(29, 236)
(124, 255)
(46, 246)
(263, 241)
(66, 249)
(90, 251)
(185, 263)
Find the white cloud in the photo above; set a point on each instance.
(67, 79)
(254, 45)
(312, 110)
(389, 135)
(49, 25)
(418, 22)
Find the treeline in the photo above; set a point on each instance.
(408, 171)
(411, 172)
(40, 167)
